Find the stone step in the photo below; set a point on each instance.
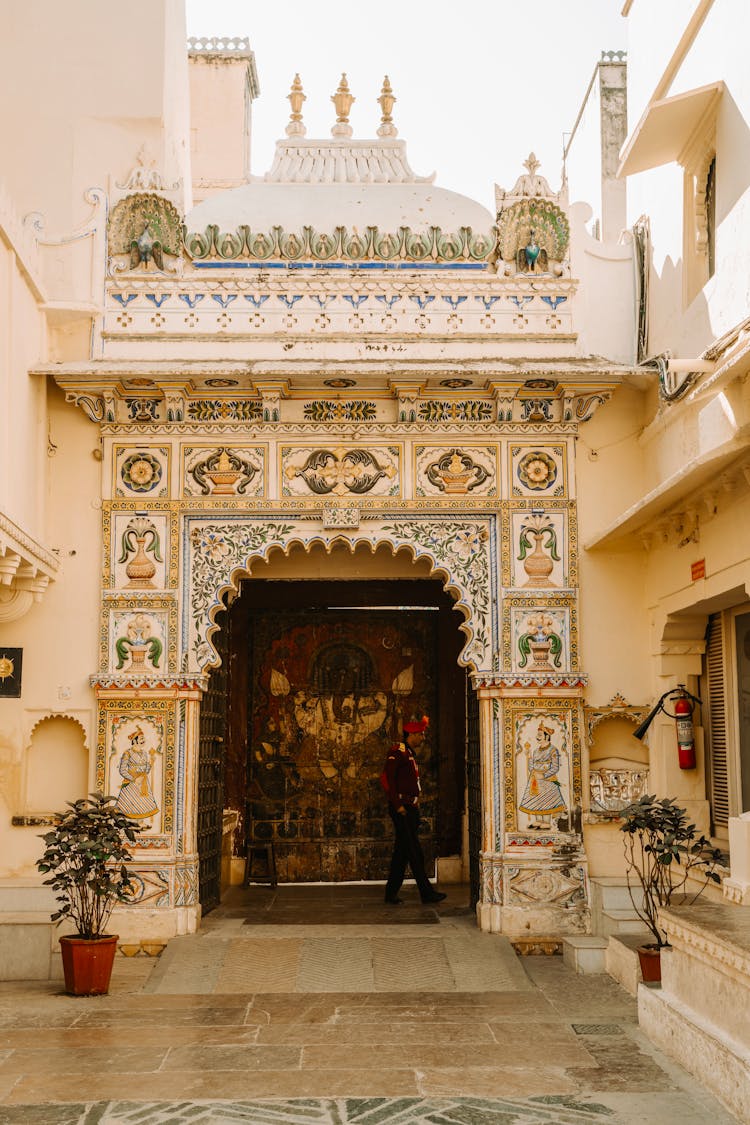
(621, 960)
(28, 946)
(585, 953)
(610, 894)
(622, 922)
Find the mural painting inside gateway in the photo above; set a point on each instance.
(322, 678)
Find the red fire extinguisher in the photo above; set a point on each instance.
(684, 703)
(683, 713)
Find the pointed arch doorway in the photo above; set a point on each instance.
(325, 659)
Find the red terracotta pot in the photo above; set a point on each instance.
(650, 959)
(87, 964)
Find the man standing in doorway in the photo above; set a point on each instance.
(401, 782)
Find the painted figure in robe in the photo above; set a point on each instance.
(136, 797)
(542, 798)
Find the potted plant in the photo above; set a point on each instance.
(85, 855)
(662, 851)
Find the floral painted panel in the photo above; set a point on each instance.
(462, 552)
(449, 470)
(141, 472)
(224, 471)
(540, 639)
(538, 470)
(340, 471)
(138, 641)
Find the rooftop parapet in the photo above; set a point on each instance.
(235, 45)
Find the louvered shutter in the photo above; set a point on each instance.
(714, 694)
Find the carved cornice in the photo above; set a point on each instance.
(572, 680)
(26, 569)
(370, 430)
(188, 681)
(320, 281)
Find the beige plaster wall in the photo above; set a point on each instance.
(688, 324)
(219, 123)
(22, 398)
(90, 99)
(604, 306)
(59, 635)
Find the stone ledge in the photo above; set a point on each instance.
(713, 933)
(720, 1064)
(24, 918)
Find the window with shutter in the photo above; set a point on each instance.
(716, 727)
(742, 649)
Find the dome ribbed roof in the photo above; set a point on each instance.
(327, 184)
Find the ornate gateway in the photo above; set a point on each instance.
(404, 401)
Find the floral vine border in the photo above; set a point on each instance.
(218, 552)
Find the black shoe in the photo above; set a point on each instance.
(436, 896)
(393, 901)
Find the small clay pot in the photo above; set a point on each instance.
(650, 959)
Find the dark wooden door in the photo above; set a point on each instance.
(212, 735)
(330, 691)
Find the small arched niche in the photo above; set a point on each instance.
(618, 762)
(56, 764)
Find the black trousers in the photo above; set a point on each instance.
(407, 849)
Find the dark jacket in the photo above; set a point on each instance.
(402, 776)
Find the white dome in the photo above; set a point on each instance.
(262, 206)
(326, 184)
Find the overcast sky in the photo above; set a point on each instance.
(479, 83)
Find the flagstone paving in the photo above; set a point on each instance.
(383, 1022)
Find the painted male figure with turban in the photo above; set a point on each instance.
(136, 797)
(542, 798)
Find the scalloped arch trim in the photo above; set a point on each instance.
(58, 715)
(222, 553)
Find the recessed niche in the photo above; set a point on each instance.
(56, 765)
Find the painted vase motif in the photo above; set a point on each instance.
(540, 642)
(140, 570)
(140, 539)
(537, 563)
(224, 477)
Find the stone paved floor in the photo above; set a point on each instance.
(311, 1022)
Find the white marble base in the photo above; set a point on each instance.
(584, 953)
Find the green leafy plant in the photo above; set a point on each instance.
(663, 850)
(86, 854)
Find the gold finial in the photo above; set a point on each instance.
(386, 101)
(342, 101)
(296, 96)
(531, 163)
